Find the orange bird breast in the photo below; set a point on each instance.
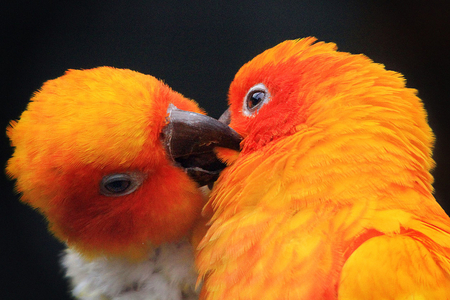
(331, 196)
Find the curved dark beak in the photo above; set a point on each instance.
(189, 139)
(225, 118)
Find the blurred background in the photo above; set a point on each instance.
(196, 48)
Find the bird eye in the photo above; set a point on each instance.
(120, 184)
(256, 97)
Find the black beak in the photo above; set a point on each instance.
(189, 139)
(225, 118)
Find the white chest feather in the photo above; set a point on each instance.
(168, 274)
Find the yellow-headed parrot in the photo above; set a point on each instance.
(111, 158)
(331, 195)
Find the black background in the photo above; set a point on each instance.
(196, 48)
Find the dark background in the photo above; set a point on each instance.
(196, 48)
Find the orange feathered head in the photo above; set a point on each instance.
(89, 156)
(300, 85)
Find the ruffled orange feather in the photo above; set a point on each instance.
(89, 123)
(331, 196)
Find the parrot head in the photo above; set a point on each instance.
(333, 171)
(103, 155)
(302, 86)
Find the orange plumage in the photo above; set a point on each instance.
(331, 195)
(90, 123)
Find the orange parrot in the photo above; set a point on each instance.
(331, 194)
(114, 159)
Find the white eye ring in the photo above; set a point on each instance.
(256, 97)
(121, 184)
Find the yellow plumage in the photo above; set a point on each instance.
(90, 155)
(331, 196)
(85, 125)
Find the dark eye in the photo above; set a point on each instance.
(120, 184)
(256, 97)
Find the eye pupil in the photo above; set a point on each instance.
(117, 186)
(255, 98)
(120, 184)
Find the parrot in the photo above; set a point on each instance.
(330, 195)
(117, 163)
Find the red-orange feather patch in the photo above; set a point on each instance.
(90, 123)
(335, 168)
